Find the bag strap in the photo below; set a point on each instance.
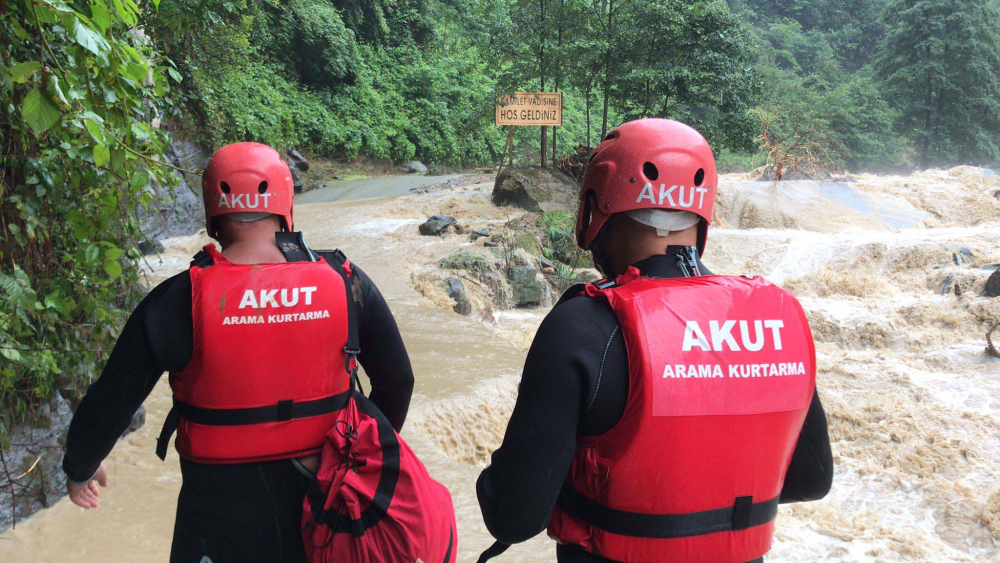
(494, 550)
(340, 264)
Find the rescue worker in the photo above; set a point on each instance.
(663, 413)
(254, 339)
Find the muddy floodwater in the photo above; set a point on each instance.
(891, 271)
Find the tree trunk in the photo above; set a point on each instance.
(558, 72)
(928, 101)
(541, 70)
(607, 70)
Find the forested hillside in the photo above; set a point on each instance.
(815, 84)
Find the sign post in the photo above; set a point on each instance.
(532, 109)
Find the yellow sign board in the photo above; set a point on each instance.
(530, 108)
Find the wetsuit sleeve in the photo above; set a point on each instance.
(157, 337)
(519, 489)
(383, 355)
(810, 473)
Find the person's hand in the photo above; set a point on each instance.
(85, 495)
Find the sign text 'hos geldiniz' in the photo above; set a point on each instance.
(530, 108)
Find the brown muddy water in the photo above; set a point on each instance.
(913, 401)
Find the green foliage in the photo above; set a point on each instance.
(341, 78)
(819, 89)
(79, 93)
(323, 48)
(940, 66)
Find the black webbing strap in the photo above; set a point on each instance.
(604, 284)
(202, 259)
(337, 261)
(169, 427)
(282, 411)
(451, 545)
(494, 550)
(742, 515)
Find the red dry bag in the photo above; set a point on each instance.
(372, 501)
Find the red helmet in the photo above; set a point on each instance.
(648, 164)
(247, 178)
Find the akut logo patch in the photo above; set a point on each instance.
(264, 298)
(722, 335)
(243, 201)
(685, 195)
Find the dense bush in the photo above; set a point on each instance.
(79, 92)
(361, 79)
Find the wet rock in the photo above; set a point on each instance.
(436, 225)
(297, 184)
(36, 457)
(458, 292)
(480, 233)
(415, 167)
(993, 285)
(299, 162)
(463, 259)
(138, 420)
(996, 194)
(548, 271)
(148, 247)
(962, 256)
(588, 276)
(536, 189)
(177, 210)
(491, 244)
(957, 283)
(528, 288)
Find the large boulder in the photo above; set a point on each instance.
(811, 206)
(298, 161)
(177, 210)
(528, 288)
(436, 225)
(415, 167)
(536, 189)
(460, 295)
(36, 457)
(993, 285)
(297, 184)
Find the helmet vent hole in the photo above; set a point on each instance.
(225, 187)
(262, 187)
(699, 176)
(650, 172)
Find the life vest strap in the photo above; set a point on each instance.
(742, 515)
(280, 412)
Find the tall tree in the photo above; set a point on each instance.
(691, 61)
(940, 67)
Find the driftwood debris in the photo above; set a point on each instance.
(990, 348)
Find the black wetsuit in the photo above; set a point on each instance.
(238, 512)
(575, 383)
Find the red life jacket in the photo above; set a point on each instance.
(267, 375)
(721, 374)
